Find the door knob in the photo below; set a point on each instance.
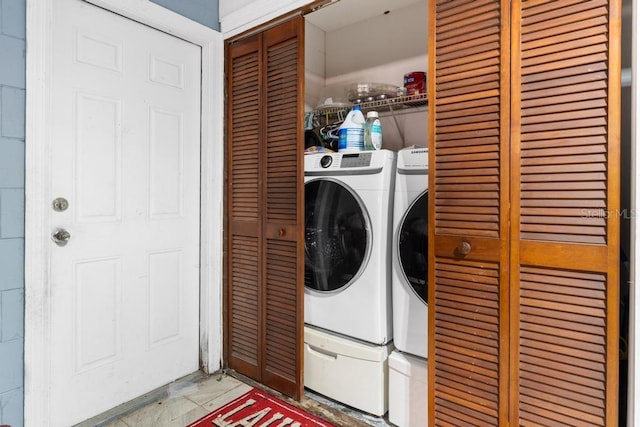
(464, 248)
(61, 237)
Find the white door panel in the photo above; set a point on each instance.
(126, 155)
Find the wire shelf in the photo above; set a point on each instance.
(381, 105)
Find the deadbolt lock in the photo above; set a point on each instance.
(60, 204)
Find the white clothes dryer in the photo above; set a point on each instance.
(410, 239)
(348, 214)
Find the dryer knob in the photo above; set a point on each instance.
(326, 161)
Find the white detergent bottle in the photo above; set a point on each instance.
(372, 132)
(351, 133)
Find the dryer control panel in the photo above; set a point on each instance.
(342, 161)
(355, 160)
(364, 162)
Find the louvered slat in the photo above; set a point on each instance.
(467, 343)
(538, 80)
(281, 339)
(282, 131)
(564, 121)
(283, 184)
(466, 357)
(264, 322)
(243, 210)
(244, 138)
(244, 300)
(467, 125)
(567, 297)
(562, 371)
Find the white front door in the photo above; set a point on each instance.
(125, 154)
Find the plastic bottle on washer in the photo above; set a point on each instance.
(351, 134)
(372, 132)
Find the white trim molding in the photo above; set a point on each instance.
(37, 244)
(37, 315)
(257, 13)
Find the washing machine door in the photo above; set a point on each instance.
(337, 236)
(412, 246)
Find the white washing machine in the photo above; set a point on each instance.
(348, 214)
(410, 252)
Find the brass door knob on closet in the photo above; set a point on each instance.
(463, 248)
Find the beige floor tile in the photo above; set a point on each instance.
(227, 397)
(117, 423)
(187, 418)
(211, 388)
(162, 413)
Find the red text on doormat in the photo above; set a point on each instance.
(258, 409)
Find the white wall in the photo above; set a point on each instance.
(314, 65)
(229, 6)
(382, 50)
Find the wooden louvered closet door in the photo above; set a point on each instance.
(468, 263)
(565, 204)
(523, 130)
(264, 322)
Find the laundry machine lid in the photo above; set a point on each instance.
(412, 246)
(337, 236)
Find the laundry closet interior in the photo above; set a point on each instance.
(352, 49)
(366, 211)
(293, 218)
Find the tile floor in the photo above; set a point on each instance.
(193, 397)
(177, 405)
(368, 420)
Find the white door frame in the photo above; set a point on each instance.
(37, 186)
(257, 13)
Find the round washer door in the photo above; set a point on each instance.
(412, 246)
(337, 236)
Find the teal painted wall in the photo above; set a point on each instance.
(12, 170)
(205, 12)
(12, 113)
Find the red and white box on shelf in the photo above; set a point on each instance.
(415, 83)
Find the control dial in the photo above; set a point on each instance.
(326, 161)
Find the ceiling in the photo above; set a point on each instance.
(343, 13)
